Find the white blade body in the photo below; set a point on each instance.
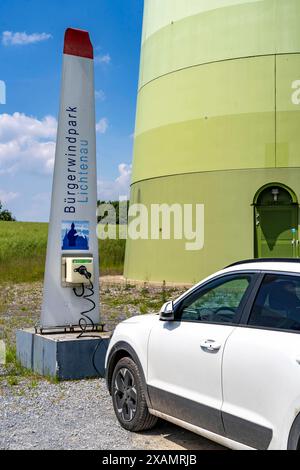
(74, 193)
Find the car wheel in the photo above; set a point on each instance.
(129, 398)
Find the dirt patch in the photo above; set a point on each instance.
(20, 304)
(167, 436)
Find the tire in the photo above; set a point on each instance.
(294, 437)
(129, 398)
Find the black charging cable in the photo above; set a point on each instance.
(83, 322)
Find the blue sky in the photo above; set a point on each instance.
(30, 65)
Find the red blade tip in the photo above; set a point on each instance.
(78, 43)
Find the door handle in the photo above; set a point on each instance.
(210, 345)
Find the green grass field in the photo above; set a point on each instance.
(23, 250)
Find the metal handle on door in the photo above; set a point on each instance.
(210, 345)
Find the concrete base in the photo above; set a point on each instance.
(62, 356)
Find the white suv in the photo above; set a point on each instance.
(223, 360)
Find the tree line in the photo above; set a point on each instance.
(116, 206)
(5, 214)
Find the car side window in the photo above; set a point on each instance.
(277, 304)
(217, 302)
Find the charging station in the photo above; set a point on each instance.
(70, 337)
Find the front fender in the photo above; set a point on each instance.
(119, 350)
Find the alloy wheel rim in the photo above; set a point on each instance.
(125, 394)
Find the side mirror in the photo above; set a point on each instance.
(167, 312)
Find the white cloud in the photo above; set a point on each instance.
(109, 190)
(102, 59)
(7, 196)
(102, 126)
(100, 95)
(22, 39)
(27, 143)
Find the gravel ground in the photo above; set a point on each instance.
(69, 415)
(77, 415)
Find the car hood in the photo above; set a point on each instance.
(142, 319)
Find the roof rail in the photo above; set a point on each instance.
(265, 260)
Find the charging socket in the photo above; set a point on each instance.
(70, 275)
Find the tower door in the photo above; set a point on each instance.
(276, 219)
